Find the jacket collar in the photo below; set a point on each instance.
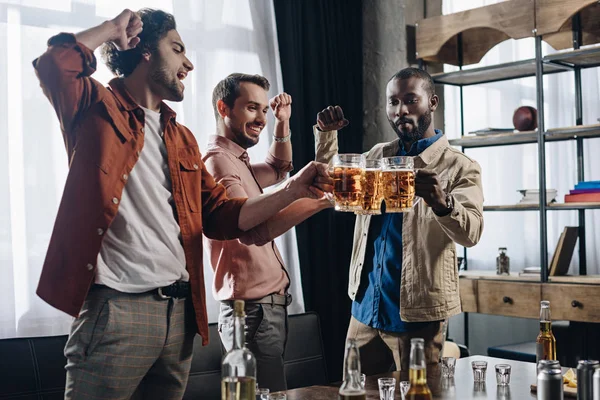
(117, 86)
(429, 155)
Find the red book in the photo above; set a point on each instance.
(582, 198)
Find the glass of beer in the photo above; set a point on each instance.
(347, 182)
(398, 181)
(372, 190)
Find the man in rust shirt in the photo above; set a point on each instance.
(250, 268)
(125, 256)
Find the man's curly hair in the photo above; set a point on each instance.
(156, 25)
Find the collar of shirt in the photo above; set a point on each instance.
(420, 145)
(117, 86)
(229, 145)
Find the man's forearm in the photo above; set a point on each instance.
(259, 209)
(94, 37)
(285, 220)
(282, 151)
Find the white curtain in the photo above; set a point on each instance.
(221, 37)
(507, 169)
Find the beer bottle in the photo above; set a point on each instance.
(238, 369)
(351, 388)
(545, 342)
(417, 373)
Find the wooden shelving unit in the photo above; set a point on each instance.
(506, 139)
(462, 39)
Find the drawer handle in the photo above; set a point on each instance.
(576, 304)
(507, 300)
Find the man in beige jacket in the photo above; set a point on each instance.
(403, 271)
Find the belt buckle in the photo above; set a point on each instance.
(163, 296)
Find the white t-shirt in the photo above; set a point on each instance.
(142, 249)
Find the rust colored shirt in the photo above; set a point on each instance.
(103, 131)
(242, 271)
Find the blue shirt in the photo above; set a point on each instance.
(377, 303)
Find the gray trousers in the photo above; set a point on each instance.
(266, 336)
(126, 346)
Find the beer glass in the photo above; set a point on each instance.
(347, 182)
(372, 190)
(398, 181)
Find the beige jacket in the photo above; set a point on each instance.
(429, 287)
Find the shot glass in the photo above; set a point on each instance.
(448, 365)
(262, 394)
(387, 387)
(479, 369)
(404, 386)
(363, 379)
(502, 374)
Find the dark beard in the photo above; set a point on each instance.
(242, 140)
(417, 132)
(160, 77)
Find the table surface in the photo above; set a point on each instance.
(461, 387)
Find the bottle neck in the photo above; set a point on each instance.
(239, 334)
(545, 315)
(418, 372)
(352, 369)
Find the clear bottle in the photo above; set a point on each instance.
(238, 368)
(351, 388)
(502, 262)
(417, 374)
(545, 342)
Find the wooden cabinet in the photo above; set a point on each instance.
(573, 302)
(501, 297)
(513, 297)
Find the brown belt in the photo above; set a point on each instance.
(272, 299)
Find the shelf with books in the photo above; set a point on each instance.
(513, 138)
(550, 207)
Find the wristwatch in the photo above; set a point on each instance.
(449, 206)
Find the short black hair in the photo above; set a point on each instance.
(229, 89)
(411, 72)
(157, 24)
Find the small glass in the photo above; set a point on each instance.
(503, 374)
(363, 380)
(262, 394)
(448, 366)
(387, 387)
(277, 396)
(398, 181)
(347, 182)
(479, 369)
(404, 386)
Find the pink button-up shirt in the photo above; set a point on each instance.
(244, 272)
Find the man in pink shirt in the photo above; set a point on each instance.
(251, 268)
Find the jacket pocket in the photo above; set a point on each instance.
(190, 172)
(118, 121)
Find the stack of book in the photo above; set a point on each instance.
(584, 192)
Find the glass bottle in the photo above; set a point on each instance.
(545, 342)
(238, 368)
(351, 388)
(417, 374)
(502, 262)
